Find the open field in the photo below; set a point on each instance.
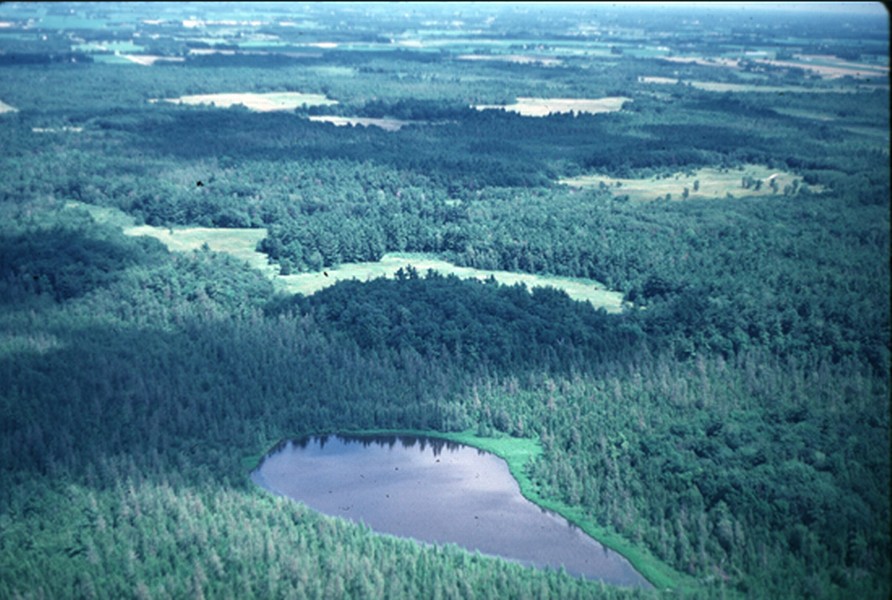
(541, 107)
(805, 114)
(147, 60)
(259, 102)
(520, 59)
(713, 183)
(239, 243)
(703, 61)
(830, 67)
(63, 129)
(223, 52)
(719, 86)
(108, 46)
(242, 244)
(385, 124)
(112, 59)
(578, 289)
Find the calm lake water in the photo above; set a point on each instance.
(437, 492)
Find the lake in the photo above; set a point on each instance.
(438, 492)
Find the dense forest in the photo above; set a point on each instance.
(731, 423)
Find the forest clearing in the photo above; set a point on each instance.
(706, 183)
(719, 86)
(541, 107)
(385, 124)
(272, 101)
(576, 288)
(241, 243)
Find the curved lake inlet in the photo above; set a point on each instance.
(435, 491)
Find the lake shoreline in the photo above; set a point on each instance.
(516, 452)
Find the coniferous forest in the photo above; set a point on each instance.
(724, 168)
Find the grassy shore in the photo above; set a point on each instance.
(517, 452)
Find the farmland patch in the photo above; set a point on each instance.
(147, 60)
(830, 67)
(520, 59)
(541, 107)
(708, 183)
(720, 86)
(258, 102)
(587, 290)
(242, 244)
(383, 123)
(63, 129)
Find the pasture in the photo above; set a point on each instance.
(825, 66)
(258, 102)
(830, 67)
(242, 244)
(239, 243)
(541, 107)
(147, 60)
(721, 86)
(587, 290)
(386, 124)
(708, 183)
(520, 59)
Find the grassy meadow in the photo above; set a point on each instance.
(708, 183)
(258, 102)
(541, 107)
(241, 243)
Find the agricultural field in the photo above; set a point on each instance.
(542, 107)
(242, 245)
(720, 86)
(147, 60)
(520, 59)
(826, 67)
(272, 101)
(578, 289)
(385, 124)
(830, 67)
(707, 183)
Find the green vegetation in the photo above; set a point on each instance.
(518, 453)
(261, 102)
(725, 426)
(745, 180)
(242, 243)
